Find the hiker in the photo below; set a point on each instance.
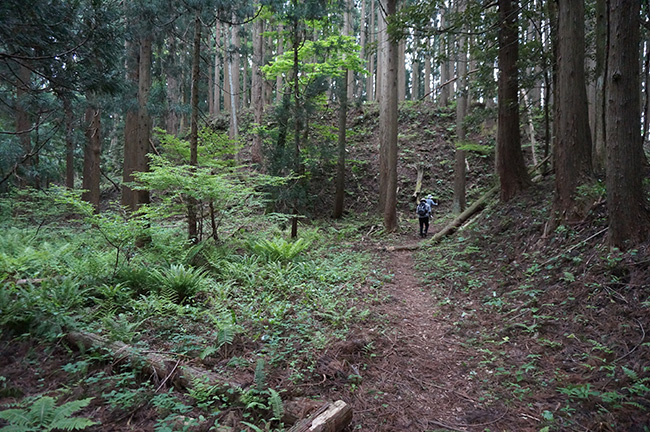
(431, 202)
(424, 211)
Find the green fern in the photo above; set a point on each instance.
(275, 402)
(44, 415)
(260, 375)
(279, 249)
(184, 282)
(225, 336)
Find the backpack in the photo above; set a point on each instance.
(422, 210)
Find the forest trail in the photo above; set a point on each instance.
(418, 382)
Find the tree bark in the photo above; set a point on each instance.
(339, 199)
(573, 164)
(389, 104)
(23, 127)
(371, 79)
(600, 70)
(257, 88)
(69, 142)
(445, 74)
(511, 168)
(332, 417)
(137, 128)
(216, 91)
(192, 222)
(92, 152)
(628, 217)
(460, 200)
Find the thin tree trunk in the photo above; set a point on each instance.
(427, 76)
(173, 89)
(278, 81)
(372, 38)
(257, 84)
(339, 199)
(192, 222)
(23, 127)
(600, 70)
(217, 68)
(92, 152)
(445, 75)
(460, 199)
(390, 103)
(69, 142)
(415, 74)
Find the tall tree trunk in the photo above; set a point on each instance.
(173, 89)
(599, 98)
(339, 199)
(349, 32)
(212, 76)
(363, 41)
(460, 200)
(380, 94)
(192, 218)
(401, 71)
(573, 164)
(233, 82)
(298, 119)
(628, 217)
(445, 72)
(382, 48)
(370, 55)
(257, 88)
(279, 90)
(69, 141)
(137, 129)
(217, 68)
(427, 74)
(23, 128)
(92, 152)
(389, 110)
(415, 74)
(511, 168)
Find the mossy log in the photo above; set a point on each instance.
(329, 417)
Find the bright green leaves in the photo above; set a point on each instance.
(328, 57)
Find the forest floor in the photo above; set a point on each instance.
(501, 328)
(495, 328)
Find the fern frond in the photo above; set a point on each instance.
(275, 402)
(225, 335)
(72, 423)
(41, 411)
(17, 417)
(207, 352)
(260, 375)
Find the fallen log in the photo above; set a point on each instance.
(461, 218)
(332, 416)
(161, 367)
(418, 182)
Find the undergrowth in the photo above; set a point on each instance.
(557, 324)
(247, 309)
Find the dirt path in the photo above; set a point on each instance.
(418, 381)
